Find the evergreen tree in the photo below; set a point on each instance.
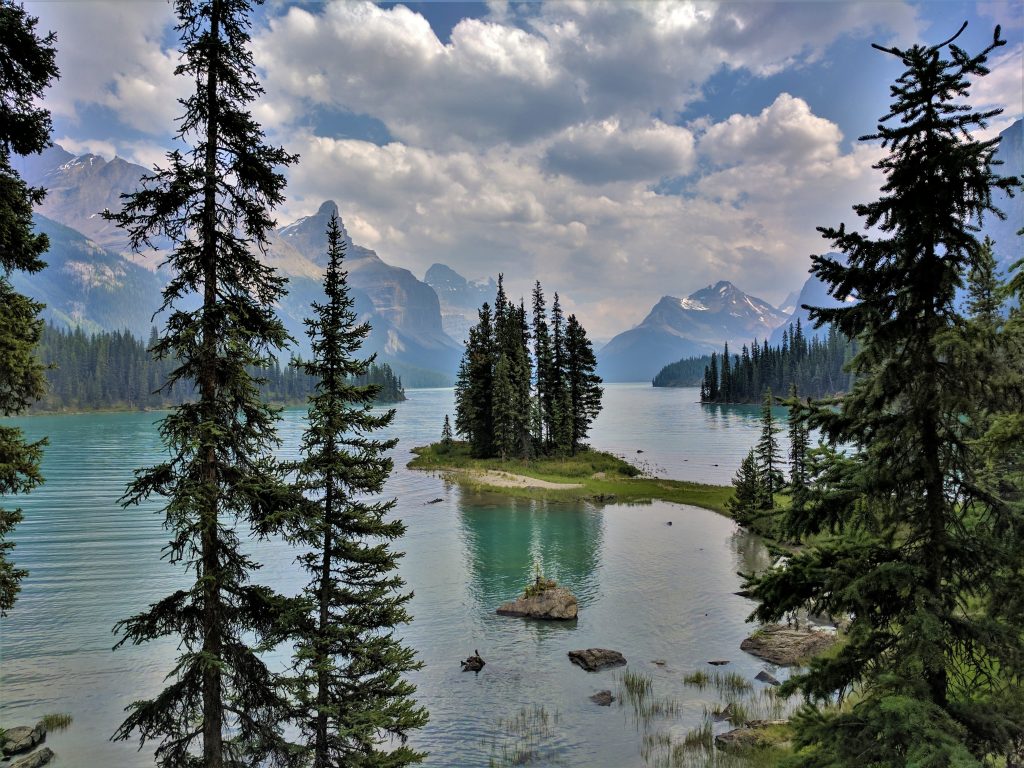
(583, 384)
(27, 66)
(799, 445)
(545, 374)
(746, 499)
(350, 690)
(474, 388)
(561, 402)
(924, 532)
(768, 455)
(222, 705)
(446, 433)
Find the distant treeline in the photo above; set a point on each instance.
(105, 371)
(815, 366)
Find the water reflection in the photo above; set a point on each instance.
(505, 538)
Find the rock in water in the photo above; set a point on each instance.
(766, 677)
(593, 659)
(36, 759)
(786, 647)
(603, 698)
(557, 603)
(21, 738)
(718, 662)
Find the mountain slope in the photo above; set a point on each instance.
(677, 328)
(460, 298)
(88, 286)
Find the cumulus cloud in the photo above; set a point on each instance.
(786, 131)
(599, 153)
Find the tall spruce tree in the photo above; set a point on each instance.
(222, 705)
(544, 362)
(768, 454)
(799, 446)
(350, 689)
(583, 383)
(27, 67)
(924, 535)
(745, 501)
(474, 388)
(561, 403)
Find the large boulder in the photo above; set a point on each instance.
(22, 738)
(36, 759)
(594, 659)
(557, 603)
(786, 646)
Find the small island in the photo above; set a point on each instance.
(542, 599)
(594, 476)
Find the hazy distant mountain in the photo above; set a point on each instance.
(91, 285)
(1009, 245)
(88, 286)
(460, 298)
(405, 312)
(677, 328)
(814, 294)
(78, 189)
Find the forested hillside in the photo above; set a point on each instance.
(116, 371)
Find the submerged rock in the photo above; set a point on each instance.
(594, 659)
(36, 759)
(718, 662)
(786, 646)
(757, 733)
(766, 677)
(557, 603)
(603, 698)
(22, 738)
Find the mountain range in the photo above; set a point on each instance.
(677, 328)
(95, 282)
(460, 298)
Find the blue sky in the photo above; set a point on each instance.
(617, 151)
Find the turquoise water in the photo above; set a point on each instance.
(652, 591)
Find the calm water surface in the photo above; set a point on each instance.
(652, 591)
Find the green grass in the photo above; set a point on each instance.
(602, 477)
(526, 738)
(56, 721)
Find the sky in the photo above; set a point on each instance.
(616, 151)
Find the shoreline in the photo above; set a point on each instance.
(594, 476)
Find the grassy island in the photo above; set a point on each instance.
(588, 476)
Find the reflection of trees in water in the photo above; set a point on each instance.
(751, 550)
(505, 537)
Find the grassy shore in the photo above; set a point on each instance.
(599, 476)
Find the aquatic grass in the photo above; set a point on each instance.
(701, 736)
(698, 679)
(731, 683)
(56, 721)
(526, 738)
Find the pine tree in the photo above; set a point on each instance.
(583, 383)
(27, 66)
(799, 445)
(222, 705)
(924, 535)
(349, 664)
(561, 403)
(545, 374)
(768, 455)
(474, 388)
(446, 433)
(745, 502)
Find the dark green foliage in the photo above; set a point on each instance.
(922, 509)
(745, 503)
(768, 456)
(222, 705)
(583, 384)
(500, 408)
(799, 448)
(688, 372)
(349, 686)
(116, 370)
(446, 433)
(27, 66)
(816, 367)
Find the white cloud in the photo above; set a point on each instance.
(599, 153)
(109, 53)
(786, 131)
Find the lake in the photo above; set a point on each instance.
(651, 591)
